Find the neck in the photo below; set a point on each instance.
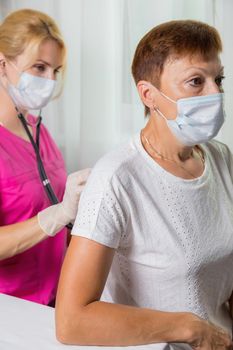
(165, 143)
(8, 113)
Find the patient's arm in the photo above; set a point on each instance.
(82, 319)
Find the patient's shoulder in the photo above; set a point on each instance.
(118, 160)
(115, 166)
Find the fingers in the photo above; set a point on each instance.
(76, 180)
(81, 176)
(222, 334)
(222, 339)
(211, 337)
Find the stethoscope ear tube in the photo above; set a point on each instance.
(43, 176)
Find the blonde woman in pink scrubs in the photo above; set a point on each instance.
(36, 203)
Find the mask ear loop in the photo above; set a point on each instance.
(16, 68)
(167, 97)
(156, 110)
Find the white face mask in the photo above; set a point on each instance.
(31, 92)
(198, 120)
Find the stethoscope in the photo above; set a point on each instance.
(43, 176)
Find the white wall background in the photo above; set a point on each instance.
(99, 107)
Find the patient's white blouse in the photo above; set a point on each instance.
(173, 237)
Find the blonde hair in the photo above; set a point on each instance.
(25, 30)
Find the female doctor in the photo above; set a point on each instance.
(32, 171)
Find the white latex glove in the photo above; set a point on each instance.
(55, 217)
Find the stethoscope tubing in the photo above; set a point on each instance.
(43, 176)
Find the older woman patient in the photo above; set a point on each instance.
(151, 257)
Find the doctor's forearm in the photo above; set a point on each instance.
(17, 238)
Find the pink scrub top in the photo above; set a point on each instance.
(33, 274)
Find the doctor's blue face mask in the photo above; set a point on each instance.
(198, 119)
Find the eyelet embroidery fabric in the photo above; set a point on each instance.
(173, 237)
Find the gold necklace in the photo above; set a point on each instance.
(172, 160)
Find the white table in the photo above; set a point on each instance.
(29, 326)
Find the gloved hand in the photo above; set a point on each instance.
(54, 218)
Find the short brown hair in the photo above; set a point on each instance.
(179, 37)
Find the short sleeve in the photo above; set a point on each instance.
(102, 213)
